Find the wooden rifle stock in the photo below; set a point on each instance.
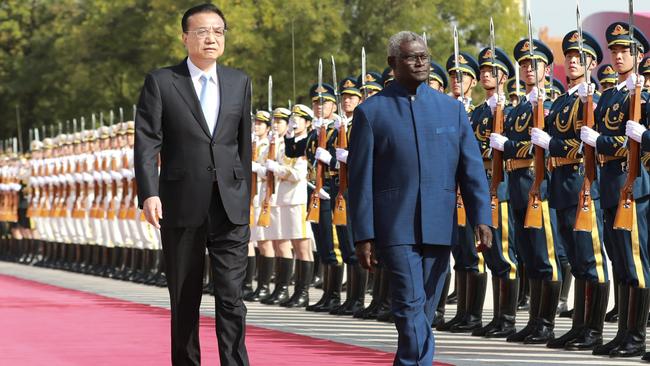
(313, 214)
(497, 167)
(625, 212)
(265, 213)
(584, 213)
(253, 186)
(340, 209)
(533, 217)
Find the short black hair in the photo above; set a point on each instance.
(203, 8)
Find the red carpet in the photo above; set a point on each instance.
(48, 325)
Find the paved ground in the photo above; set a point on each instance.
(456, 349)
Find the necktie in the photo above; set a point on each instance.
(208, 113)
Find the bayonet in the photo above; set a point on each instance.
(320, 89)
(493, 52)
(337, 92)
(583, 57)
(633, 46)
(135, 111)
(426, 46)
(517, 86)
(74, 125)
(83, 124)
(36, 137)
(459, 74)
(270, 99)
(531, 49)
(93, 121)
(111, 117)
(121, 114)
(363, 73)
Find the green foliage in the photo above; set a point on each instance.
(63, 59)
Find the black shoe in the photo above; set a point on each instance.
(546, 315)
(284, 274)
(533, 311)
(461, 289)
(596, 296)
(623, 301)
(577, 324)
(507, 305)
(476, 286)
(633, 344)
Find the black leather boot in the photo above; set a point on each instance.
(282, 281)
(633, 344)
(250, 274)
(358, 285)
(623, 300)
(348, 290)
(508, 299)
(439, 316)
(318, 276)
(461, 289)
(546, 315)
(578, 321)
(300, 297)
(384, 312)
(370, 311)
(612, 315)
(480, 332)
(264, 273)
(562, 307)
(596, 296)
(475, 294)
(332, 297)
(533, 311)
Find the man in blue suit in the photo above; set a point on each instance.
(410, 147)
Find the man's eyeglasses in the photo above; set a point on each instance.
(203, 33)
(411, 59)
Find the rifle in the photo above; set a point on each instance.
(585, 212)
(265, 214)
(313, 214)
(533, 217)
(460, 206)
(497, 127)
(253, 184)
(624, 219)
(264, 219)
(340, 211)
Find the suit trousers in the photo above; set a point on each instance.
(416, 275)
(184, 252)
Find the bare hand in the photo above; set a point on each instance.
(366, 255)
(483, 236)
(152, 208)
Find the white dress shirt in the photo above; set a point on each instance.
(213, 96)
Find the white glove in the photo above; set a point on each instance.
(492, 102)
(323, 195)
(272, 165)
(540, 138)
(633, 80)
(340, 121)
(498, 141)
(635, 130)
(317, 123)
(342, 155)
(585, 90)
(588, 136)
(290, 130)
(323, 155)
(258, 168)
(534, 95)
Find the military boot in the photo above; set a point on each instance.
(578, 321)
(300, 297)
(461, 289)
(633, 343)
(439, 316)
(563, 307)
(475, 293)
(533, 312)
(265, 271)
(596, 296)
(623, 301)
(480, 332)
(331, 297)
(282, 281)
(544, 331)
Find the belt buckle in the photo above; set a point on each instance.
(509, 165)
(624, 165)
(554, 162)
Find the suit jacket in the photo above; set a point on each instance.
(407, 155)
(170, 121)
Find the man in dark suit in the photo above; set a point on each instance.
(409, 149)
(196, 115)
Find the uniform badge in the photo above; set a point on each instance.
(566, 109)
(609, 71)
(348, 84)
(370, 78)
(619, 30)
(461, 59)
(574, 38)
(320, 89)
(487, 54)
(525, 47)
(615, 107)
(485, 121)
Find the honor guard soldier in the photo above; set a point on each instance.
(625, 222)
(583, 245)
(266, 259)
(357, 277)
(607, 76)
(278, 214)
(296, 170)
(437, 77)
(515, 93)
(463, 73)
(526, 182)
(644, 69)
(329, 250)
(371, 85)
(495, 69)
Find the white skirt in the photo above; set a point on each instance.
(287, 223)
